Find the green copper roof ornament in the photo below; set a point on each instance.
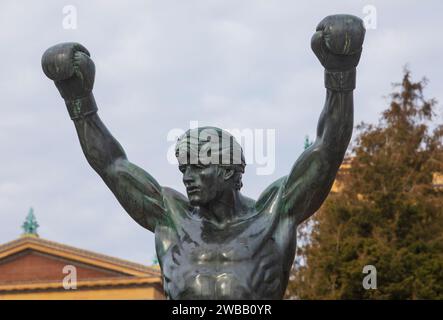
(307, 142)
(30, 225)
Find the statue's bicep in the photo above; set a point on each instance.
(308, 184)
(138, 193)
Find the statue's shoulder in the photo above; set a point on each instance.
(176, 204)
(271, 195)
(172, 193)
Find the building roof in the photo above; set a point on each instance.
(32, 265)
(28, 242)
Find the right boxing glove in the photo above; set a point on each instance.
(71, 69)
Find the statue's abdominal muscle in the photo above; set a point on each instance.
(204, 266)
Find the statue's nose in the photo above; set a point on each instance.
(187, 176)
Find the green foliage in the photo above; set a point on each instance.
(388, 214)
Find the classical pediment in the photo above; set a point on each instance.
(32, 265)
(32, 260)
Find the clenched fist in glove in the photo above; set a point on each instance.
(338, 41)
(73, 72)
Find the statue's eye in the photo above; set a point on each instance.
(183, 167)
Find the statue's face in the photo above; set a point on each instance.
(204, 183)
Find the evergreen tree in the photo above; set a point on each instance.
(389, 214)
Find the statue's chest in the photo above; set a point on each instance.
(242, 262)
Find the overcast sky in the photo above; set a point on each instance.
(161, 64)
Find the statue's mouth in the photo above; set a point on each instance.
(192, 189)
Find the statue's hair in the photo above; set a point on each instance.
(211, 145)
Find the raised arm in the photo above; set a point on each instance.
(72, 70)
(337, 43)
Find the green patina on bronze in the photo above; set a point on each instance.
(217, 243)
(308, 143)
(30, 225)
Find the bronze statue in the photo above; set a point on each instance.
(217, 243)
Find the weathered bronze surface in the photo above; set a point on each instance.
(217, 243)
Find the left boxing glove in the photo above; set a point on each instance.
(338, 41)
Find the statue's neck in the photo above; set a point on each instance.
(226, 209)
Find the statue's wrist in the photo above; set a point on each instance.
(80, 108)
(340, 80)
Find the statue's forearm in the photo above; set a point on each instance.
(99, 146)
(138, 192)
(334, 129)
(312, 175)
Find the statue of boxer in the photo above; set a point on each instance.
(217, 243)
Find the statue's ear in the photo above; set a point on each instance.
(228, 173)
